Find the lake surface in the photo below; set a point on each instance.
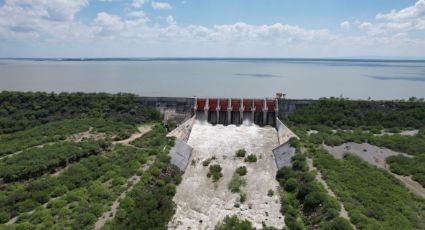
(300, 78)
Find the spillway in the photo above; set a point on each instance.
(227, 111)
(201, 204)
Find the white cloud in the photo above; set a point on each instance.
(136, 14)
(139, 3)
(345, 25)
(161, 5)
(42, 20)
(106, 19)
(417, 10)
(170, 20)
(42, 24)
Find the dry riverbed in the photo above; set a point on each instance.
(201, 204)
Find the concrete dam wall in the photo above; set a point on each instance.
(182, 108)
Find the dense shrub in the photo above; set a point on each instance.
(241, 153)
(236, 182)
(241, 171)
(341, 113)
(215, 172)
(409, 166)
(19, 111)
(234, 223)
(291, 185)
(37, 161)
(251, 158)
(303, 196)
(375, 200)
(338, 223)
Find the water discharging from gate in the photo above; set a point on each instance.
(201, 204)
(229, 111)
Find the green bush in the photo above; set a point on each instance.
(338, 223)
(241, 153)
(236, 182)
(233, 223)
(4, 217)
(206, 162)
(242, 197)
(270, 193)
(313, 200)
(251, 158)
(291, 185)
(215, 172)
(242, 171)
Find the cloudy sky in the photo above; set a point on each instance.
(212, 28)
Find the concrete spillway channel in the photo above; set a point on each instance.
(201, 203)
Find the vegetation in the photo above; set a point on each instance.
(270, 193)
(409, 166)
(251, 158)
(236, 182)
(374, 200)
(403, 112)
(234, 223)
(305, 203)
(408, 144)
(345, 114)
(242, 171)
(242, 197)
(153, 140)
(82, 192)
(59, 131)
(208, 161)
(215, 172)
(149, 205)
(37, 161)
(241, 153)
(19, 111)
(76, 191)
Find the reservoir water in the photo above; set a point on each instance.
(299, 78)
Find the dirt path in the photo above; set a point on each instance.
(109, 215)
(140, 132)
(342, 212)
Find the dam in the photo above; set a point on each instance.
(182, 108)
(218, 128)
(228, 111)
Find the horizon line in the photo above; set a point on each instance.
(366, 58)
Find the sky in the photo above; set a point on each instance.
(212, 28)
